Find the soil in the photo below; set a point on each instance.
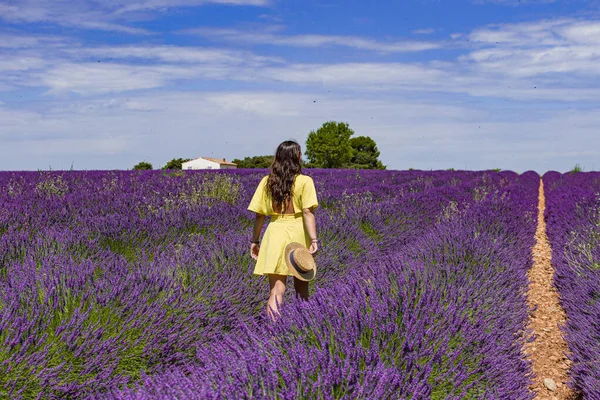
(548, 350)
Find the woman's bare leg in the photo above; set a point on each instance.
(277, 284)
(301, 288)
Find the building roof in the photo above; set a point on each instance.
(220, 161)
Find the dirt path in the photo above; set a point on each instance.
(548, 349)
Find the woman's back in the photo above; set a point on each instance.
(303, 196)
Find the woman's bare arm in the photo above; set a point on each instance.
(258, 225)
(310, 224)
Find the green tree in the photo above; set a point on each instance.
(142, 166)
(329, 146)
(364, 154)
(254, 162)
(175, 163)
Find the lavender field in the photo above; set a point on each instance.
(137, 284)
(573, 215)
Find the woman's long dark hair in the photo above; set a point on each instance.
(286, 165)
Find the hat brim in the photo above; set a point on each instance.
(297, 272)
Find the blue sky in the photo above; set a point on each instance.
(470, 84)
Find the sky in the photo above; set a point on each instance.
(464, 84)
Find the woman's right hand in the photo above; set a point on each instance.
(254, 249)
(313, 248)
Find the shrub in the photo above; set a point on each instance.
(142, 166)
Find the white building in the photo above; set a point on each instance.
(208, 163)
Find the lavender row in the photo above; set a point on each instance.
(573, 224)
(442, 316)
(107, 276)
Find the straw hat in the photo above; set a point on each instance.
(300, 262)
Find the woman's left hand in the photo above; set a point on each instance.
(313, 248)
(254, 249)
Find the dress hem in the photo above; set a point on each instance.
(269, 273)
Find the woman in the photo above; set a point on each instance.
(290, 199)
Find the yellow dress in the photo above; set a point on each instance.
(282, 229)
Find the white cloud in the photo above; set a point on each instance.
(525, 34)
(63, 13)
(313, 40)
(380, 75)
(21, 64)
(530, 63)
(97, 78)
(104, 15)
(89, 79)
(585, 32)
(467, 78)
(173, 54)
(127, 6)
(20, 41)
(426, 31)
(17, 69)
(534, 49)
(109, 69)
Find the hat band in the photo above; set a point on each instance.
(296, 267)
